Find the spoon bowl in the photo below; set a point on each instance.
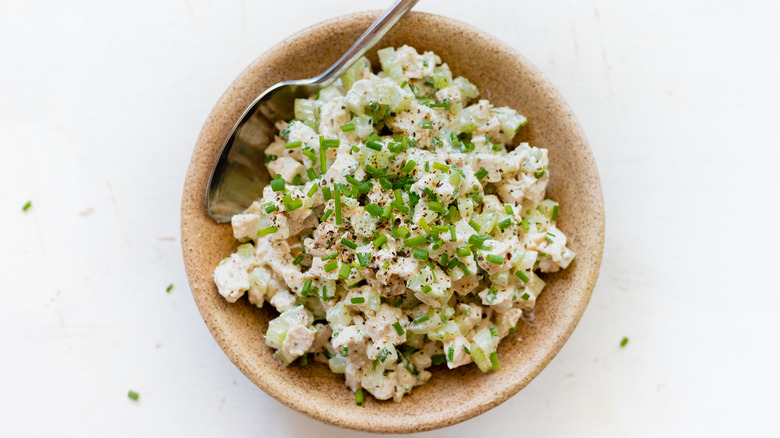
(239, 173)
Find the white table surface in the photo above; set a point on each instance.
(100, 106)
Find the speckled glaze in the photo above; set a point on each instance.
(504, 77)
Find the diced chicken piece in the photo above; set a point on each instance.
(321, 338)
(380, 327)
(507, 320)
(497, 249)
(232, 278)
(333, 115)
(297, 341)
(412, 122)
(416, 66)
(287, 167)
(245, 226)
(459, 355)
(282, 300)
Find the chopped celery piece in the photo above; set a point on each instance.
(390, 64)
(363, 126)
(442, 79)
(306, 111)
(468, 89)
(510, 121)
(355, 72)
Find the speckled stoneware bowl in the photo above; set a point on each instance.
(507, 79)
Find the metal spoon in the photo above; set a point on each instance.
(239, 175)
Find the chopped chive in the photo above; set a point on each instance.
(326, 215)
(464, 269)
(522, 275)
(359, 397)
(525, 296)
(386, 265)
(297, 180)
(327, 353)
(293, 144)
(494, 360)
(426, 124)
(291, 204)
(344, 271)
(403, 84)
(420, 254)
(421, 319)
(351, 179)
(306, 287)
(374, 145)
(277, 184)
(312, 190)
(309, 152)
(508, 210)
(555, 213)
(331, 265)
(132, 395)
(267, 231)
(414, 241)
(623, 342)
(477, 240)
(443, 259)
(409, 166)
(466, 349)
(355, 265)
(385, 183)
(326, 193)
(426, 289)
(270, 208)
(27, 206)
(364, 258)
(323, 156)
(495, 259)
(398, 328)
(436, 206)
(454, 262)
(481, 173)
(373, 364)
(270, 157)
(438, 229)
(337, 198)
(387, 211)
(474, 225)
(331, 256)
(305, 359)
(374, 210)
(349, 127)
(453, 235)
(462, 251)
(403, 232)
(357, 300)
(424, 224)
(383, 354)
(169, 288)
(524, 223)
(494, 329)
(311, 174)
(348, 243)
(441, 167)
(436, 245)
(297, 261)
(450, 354)
(438, 359)
(379, 241)
(504, 224)
(541, 172)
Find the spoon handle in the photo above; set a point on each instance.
(370, 37)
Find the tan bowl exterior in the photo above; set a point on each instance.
(451, 396)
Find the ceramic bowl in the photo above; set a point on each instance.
(451, 396)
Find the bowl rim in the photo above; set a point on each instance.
(423, 423)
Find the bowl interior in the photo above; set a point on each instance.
(504, 77)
